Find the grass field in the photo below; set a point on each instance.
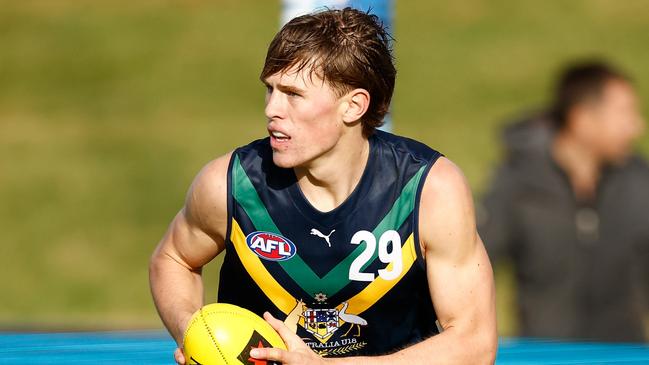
(109, 108)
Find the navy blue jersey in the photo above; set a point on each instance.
(351, 281)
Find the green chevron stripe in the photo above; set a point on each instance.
(336, 279)
(246, 195)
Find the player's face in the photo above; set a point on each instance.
(618, 121)
(304, 118)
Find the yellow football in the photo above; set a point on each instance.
(221, 333)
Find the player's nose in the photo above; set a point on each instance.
(274, 106)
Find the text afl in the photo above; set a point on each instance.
(271, 246)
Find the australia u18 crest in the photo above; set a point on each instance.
(332, 331)
(321, 323)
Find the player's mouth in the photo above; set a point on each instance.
(278, 138)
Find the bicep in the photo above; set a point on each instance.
(188, 244)
(462, 290)
(458, 268)
(197, 233)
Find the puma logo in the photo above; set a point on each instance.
(315, 232)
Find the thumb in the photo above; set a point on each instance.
(179, 356)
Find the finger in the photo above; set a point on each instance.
(179, 356)
(270, 353)
(281, 328)
(271, 319)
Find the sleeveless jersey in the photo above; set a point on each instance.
(350, 281)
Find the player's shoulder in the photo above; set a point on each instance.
(206, 200)
(405, 145)
(446, 194)
(447, 211)
(214, 171)
(445, 177)
(211, 183)
(209, 188)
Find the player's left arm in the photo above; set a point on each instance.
(459, 273)
(460, 282)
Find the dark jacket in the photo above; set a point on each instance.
(581, 267)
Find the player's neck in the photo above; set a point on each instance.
(328, 181)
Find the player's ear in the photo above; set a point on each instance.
(357, 102)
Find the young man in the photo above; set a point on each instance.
(357, 239)
(570, 207)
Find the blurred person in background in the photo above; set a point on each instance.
(570, 208)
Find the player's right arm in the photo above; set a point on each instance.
(195, 236)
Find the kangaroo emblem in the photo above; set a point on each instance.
(315, 232)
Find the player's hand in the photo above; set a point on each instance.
(179, 356)
(298, 352)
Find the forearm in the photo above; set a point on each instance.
(177, 292)
(449, 347)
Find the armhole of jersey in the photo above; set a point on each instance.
(230, 199)
(420, 255)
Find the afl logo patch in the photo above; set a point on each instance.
(270, 246)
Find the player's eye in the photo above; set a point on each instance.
(290, 92)
(269, 89)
